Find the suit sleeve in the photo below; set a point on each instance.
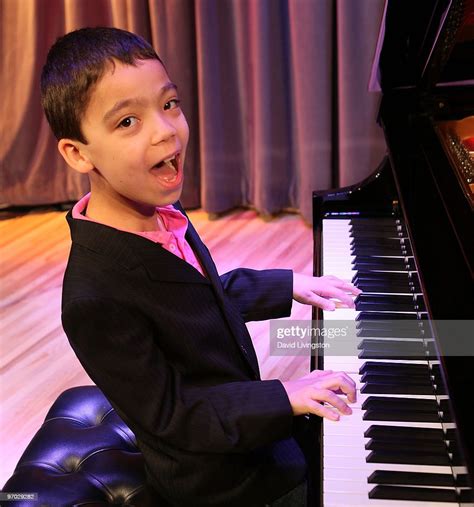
(118, 348)
(260, 295)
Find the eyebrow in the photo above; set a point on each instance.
(135, 101)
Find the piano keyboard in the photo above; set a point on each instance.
(398, 448)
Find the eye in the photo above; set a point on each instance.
(172, 104)
(128, 122)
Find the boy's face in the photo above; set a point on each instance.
(132, 124)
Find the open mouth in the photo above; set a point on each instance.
(168, 170)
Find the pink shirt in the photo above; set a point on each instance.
(172, 238)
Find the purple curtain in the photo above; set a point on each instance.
(275, 92)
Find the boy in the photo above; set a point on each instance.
(151, 321)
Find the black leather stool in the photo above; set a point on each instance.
(83, 455)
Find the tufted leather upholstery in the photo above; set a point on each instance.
(82, 455)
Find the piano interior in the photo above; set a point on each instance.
(405, 237)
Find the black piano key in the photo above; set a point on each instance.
(388, 287)
(381, 233)
(416, 328)
(457, 459)
(374, 267)
(390, 345)
(378, 330)
(432, 353)
(444, 405)
(406, 446)
(410, 478)
(405, 374)
(447, 416)
(376, 220)
(392, 277)
(403, 432)
(451, 434)
(413, 494)
(445, 408)
(381, 378)
(373, 221)
(384, 388)
(389, 302)
(392, 342)
(392, 298)
(390, 261)
(377, 231)
(381, 264)
(391, 352)
(400, 457)
(367, 227)
(408, 324)
(412, 404)
(453, 446)
(386, 332)
(385, 288)
(380, 245)
(466, 496)
(395, 250)
(462, 481)
(399, 415)
(386, 316)
(386, 306)
(397, 368)
(380, 242)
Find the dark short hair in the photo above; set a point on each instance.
(74, 64)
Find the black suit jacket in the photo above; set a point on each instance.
(170, 350)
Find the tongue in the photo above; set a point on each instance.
(166, 171)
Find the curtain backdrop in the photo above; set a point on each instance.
(275, 93)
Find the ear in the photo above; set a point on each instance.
(75, 155)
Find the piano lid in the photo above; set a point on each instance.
(424, 44)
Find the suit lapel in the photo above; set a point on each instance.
(243, 339)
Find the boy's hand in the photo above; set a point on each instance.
(307, 394)
(311, 290)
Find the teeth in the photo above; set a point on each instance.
(171, 163)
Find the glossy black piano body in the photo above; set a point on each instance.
(425, 65)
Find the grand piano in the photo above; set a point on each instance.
(405, 237)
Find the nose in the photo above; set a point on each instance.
(163, 129)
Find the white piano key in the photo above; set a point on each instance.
(360, 500)
(349, 486)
